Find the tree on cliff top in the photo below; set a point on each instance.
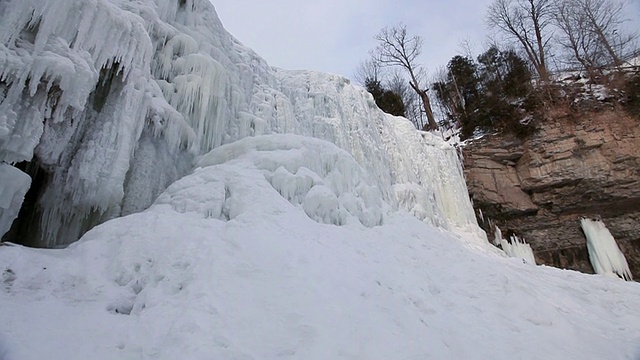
(484, 95)
(387, 100)
(528, 22)
(397, 48)
(592, 32)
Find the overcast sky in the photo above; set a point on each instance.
(335, 35)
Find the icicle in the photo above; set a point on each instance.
(194, 83)
(497, 236)
(515, 247)
(604, 253)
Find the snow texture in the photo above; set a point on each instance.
(331, 189)
(604, 253)
(112, 120)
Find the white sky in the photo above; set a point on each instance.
(335, 35)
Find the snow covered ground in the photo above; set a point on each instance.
(229, 263)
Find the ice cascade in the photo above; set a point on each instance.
(106, 103)
(604, 253)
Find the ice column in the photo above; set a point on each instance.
(604, 253)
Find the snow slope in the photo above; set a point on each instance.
(231, 264)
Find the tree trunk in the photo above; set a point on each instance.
(542, 65)
(426, 103)
(607, 45)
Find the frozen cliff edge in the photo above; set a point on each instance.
(106, 103)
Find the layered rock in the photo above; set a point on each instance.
(576, 165)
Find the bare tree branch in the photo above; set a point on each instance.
(593, 32)
(527, 21)
(396, 48)
(369, 69)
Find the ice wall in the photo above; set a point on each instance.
(76, 95)
(112, 100)
(604, 253)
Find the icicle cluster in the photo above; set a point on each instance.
(112, 101)
(76, 94)
(515, 247)
(604, 253)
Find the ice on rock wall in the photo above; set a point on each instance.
(13, 186)
(515, 247)
(113, 100)
(604, 253)
(415, 171)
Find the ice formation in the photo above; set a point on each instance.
(13, 186)
(604, 253)
(515, 247)
(110, 102)
(331, 189)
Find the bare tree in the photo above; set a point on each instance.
(445, 104)
(465, 47)
(604, 20)
(396, 48)
(575, 37)
(368, 70)
(593, 32)
(396, 82)
(527, 21)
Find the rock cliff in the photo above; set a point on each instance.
(577, 164)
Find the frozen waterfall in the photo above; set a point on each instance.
(108, 122)
(604, 253)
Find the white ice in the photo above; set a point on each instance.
(114, 119)
(604, 253)
(515, 247)
(13, 187)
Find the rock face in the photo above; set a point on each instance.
(575, 165)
